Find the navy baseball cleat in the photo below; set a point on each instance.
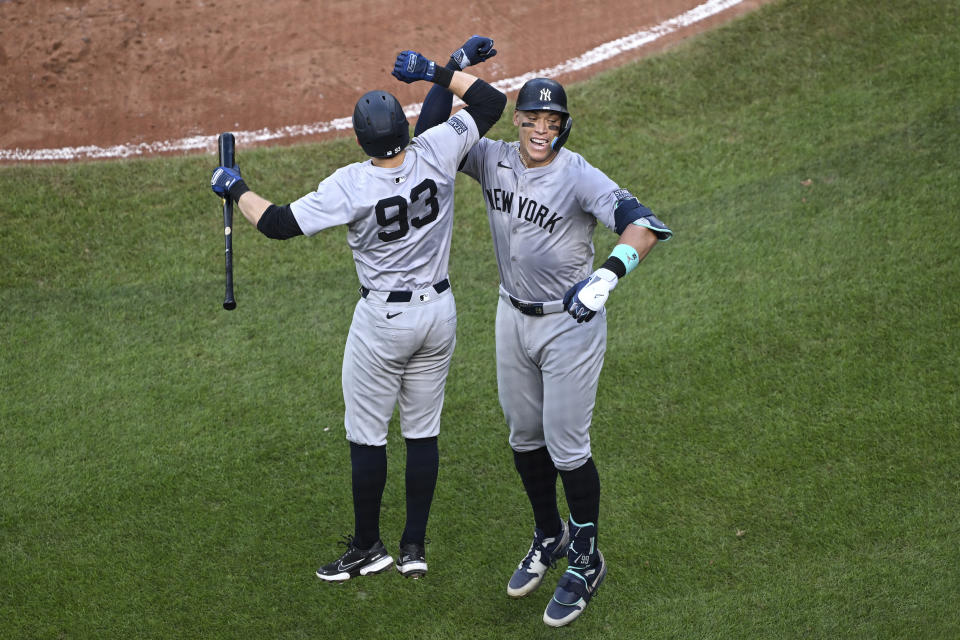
(543, 554)
(585, 572)
(412, 562)
(356, 562)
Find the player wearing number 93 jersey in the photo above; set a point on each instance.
(398, 210)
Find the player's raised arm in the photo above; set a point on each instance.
(272, 221)
(439, 102)
(484, 102)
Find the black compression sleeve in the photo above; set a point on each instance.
(485, 104)
(442, 76)
(278, 223)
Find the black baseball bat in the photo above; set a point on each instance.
(226, 145)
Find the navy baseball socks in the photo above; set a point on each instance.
(423, 464)
(586, 570)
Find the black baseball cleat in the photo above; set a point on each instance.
(412, 562)
(356, 562)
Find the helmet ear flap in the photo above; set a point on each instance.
(561, 139)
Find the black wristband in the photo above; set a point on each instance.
(443, 77)
(616, 265)
(237, 189)
(453, 65)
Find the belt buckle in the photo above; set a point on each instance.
(527, 308)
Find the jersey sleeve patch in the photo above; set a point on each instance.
(458, 125)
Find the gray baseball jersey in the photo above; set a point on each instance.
(400, 220)
(399, 226)
(542, 219)
(542, 222)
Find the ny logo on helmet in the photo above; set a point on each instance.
(545, 95)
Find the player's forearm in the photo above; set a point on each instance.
(456, 81)
(252, 206)
(438, 104)
(634, 245)
(436, 108)
(461, 82)
(640, 238)
(639, 230)
(484, 102)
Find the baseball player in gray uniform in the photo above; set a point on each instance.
(544, 202)
(398, 210)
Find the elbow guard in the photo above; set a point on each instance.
(278, 223)
(653, 223)
(485, 104)
(628, 210)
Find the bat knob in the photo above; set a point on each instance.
(229, 305)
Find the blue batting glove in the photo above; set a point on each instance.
(474, 51)
(411, 66)
(224, 179)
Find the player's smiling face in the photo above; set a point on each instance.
(536, 131)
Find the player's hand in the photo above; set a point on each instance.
(588, 296)
(474, 51)
(226, 179)
(412, 66)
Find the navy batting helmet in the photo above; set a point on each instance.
(544, 94)
(382, 129)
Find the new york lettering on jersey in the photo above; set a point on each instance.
(528, 209)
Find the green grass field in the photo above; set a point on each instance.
(777, 425)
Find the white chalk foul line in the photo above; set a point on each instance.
(209, 142)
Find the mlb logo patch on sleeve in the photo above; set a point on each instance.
(457, 125)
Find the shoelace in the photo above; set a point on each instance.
(538, 539)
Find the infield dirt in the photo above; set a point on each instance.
(114, 72)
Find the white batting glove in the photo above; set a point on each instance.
(588, 296)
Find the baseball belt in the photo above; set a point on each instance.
(533, 308)
(405, 296)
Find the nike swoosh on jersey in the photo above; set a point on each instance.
(391, 316)
(504, 166)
